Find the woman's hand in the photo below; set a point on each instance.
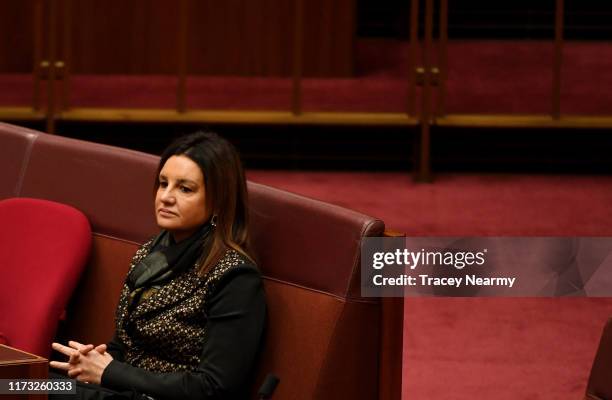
(83, 364)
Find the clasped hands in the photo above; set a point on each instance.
(86, 363)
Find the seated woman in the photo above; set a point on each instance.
(191, 315)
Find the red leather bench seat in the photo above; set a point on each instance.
(323, 337)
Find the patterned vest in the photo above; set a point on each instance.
(166, 330)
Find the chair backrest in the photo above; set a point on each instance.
(323, 337)
(600, 384)
(44, 248)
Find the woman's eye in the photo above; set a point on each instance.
(185, 189)
(163, 184)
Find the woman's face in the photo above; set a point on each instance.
(180, 201)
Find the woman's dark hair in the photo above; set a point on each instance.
(226, 194)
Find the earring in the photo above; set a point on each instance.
(213, 220)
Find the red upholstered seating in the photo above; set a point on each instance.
(43, 249)
(323, 337)
(324, 340)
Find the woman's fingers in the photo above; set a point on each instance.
(62, 349)
(60, 365)
(82, 361)
(101, 349)
(74, 357)
(75, 345)
(74, 350)
(75, 372)
(83, 348)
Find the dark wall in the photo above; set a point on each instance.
(377, 148)
(517, 19)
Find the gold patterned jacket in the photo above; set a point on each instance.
(166, 330)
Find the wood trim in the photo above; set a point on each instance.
(287, 118)
(21, 114)
(25, 361)
(412, 57)
(28, 359)
(412, 72)
(424, 169)
(237, 117)
(38, 50)
(67, 39)
(442, 58)
(52, 37)
(525, 121)
(298, 48)
(558, 59)
(181, 89)
(393, 233)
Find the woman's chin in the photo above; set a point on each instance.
(165, 224)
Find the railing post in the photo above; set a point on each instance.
(52, 58)
(558, 58)
(181, 90)
(38, 50)
(424, 168)
(412, 57)
(442, 58)
(67, 36)
(296, 94)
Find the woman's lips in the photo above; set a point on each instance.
(166, 213)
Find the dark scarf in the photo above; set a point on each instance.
(166, 260)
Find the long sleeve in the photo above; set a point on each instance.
(234, 330)
(115, 348)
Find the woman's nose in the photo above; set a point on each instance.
(167, 196)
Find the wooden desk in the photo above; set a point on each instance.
(19, 364)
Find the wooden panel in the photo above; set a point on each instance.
(241, 36)
(116, 36)
(13, 356)
(249, 37)
(16, 35)
(17, 364)
(329, 33)
(237, 37)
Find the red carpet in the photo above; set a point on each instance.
(519, 205)
(483, 77)
(500, 348)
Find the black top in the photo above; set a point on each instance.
(234, 333)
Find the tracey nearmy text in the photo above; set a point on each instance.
(426, 280)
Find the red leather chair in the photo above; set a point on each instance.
(43, 248)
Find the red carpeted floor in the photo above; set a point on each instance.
(483, 77)
(469, 348)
